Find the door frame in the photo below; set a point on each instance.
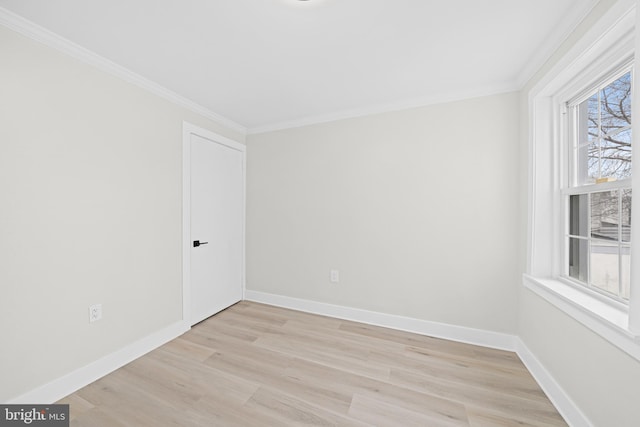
(188, 130)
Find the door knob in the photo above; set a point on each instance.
(197, 243)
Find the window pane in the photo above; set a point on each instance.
(625, 215)
(615, 105)
(584, 173)
(578, 258)
(604, 215)
(588, 145)
(603, 145)
(593, 118)
(593, 161)
(625, 274)
(616, 155)
(599, 223)
(604, 266)
(578, 210)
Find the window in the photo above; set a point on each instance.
(580, 212)
(602, 149)
(598, 195)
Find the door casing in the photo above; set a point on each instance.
(188, 130)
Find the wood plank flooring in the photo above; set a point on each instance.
(258, 365)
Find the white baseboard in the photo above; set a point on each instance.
(61, 387)
(563, 403)
(566, 407)
(64, 386)
(424, 327)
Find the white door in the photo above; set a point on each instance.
(217, 226)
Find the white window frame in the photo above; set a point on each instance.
(567, 171)
(605, 46)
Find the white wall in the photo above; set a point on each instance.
(90, 212)
(417, 209)
(602, 380)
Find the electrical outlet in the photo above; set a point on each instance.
(335, 276)
(95, 312)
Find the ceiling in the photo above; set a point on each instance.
(265, 64)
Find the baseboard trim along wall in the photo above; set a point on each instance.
(567, 408)
(424, 327)
(63, 386)
(563, 403)
(67, 384)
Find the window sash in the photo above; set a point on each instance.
(583, 253)
(625, 66)
(596, 188)
(619, 243)
(571, 113)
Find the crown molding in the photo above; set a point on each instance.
(40, 34)
(551, 44)
(385, 108)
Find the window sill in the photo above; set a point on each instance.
(606, 320)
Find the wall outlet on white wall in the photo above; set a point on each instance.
(335, 276)
(95, 312)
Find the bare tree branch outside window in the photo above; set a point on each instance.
(609, 130)
(600, 219)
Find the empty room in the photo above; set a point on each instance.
(319, 212)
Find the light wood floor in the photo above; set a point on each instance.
(257, 365)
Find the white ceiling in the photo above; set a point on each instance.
(271, 63)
